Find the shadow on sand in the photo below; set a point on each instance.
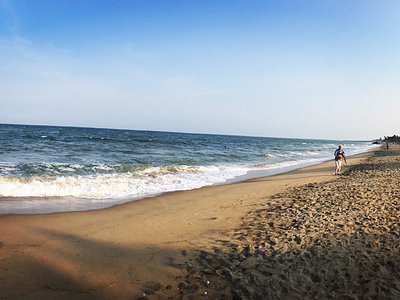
(348, 268)
(254, 267)
(71, 267)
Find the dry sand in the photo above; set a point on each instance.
(332, 240)
(306, 233)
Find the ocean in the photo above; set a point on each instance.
(46, 169)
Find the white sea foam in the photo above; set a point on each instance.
(151, 181)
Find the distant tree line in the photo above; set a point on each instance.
(392, 139)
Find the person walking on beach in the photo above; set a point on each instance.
(339, 157)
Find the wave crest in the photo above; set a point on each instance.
(141, 183)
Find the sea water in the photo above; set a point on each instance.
(51, 169)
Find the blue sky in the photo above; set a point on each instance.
(309, 69)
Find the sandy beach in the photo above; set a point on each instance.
(303, 234)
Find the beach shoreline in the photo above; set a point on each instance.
(45, 170)
(137, 249)
(62, 205)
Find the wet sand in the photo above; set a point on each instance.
(302, 234)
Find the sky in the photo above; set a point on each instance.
(282, 68)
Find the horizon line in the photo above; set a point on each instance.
(194, 133)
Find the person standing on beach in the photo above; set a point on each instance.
(339, 157)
